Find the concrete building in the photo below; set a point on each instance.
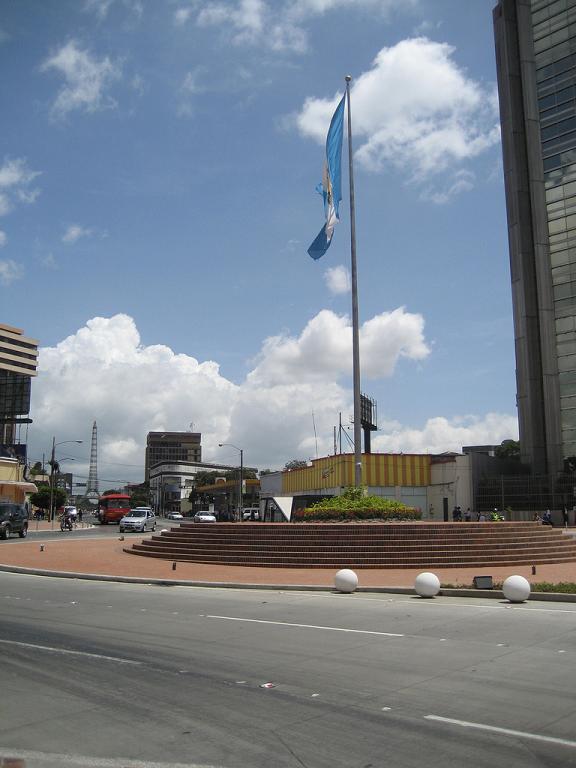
(18, 364)
(536, 63)
(172, 446)
(433, 484)
(172, 481)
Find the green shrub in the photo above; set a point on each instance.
(354, 504)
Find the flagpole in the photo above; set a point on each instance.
(355, 328)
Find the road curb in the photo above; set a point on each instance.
(494, 594)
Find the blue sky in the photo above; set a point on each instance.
(157, 196)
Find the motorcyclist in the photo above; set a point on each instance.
(68, 518)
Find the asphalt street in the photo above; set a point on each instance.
(100, 674)
(86, 531)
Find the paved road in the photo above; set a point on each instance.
(126, 675)
(92, 531)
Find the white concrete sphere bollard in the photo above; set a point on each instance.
(516, 589)
(427, 584)
(164, 530)
(346, 580)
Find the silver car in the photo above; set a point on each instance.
(204, 517)
(138, 520)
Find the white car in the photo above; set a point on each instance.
(174, 516)
(204, 517)
(251, 513)
(138, 520)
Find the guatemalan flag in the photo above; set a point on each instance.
(331, 187)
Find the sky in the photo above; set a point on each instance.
(158, 170)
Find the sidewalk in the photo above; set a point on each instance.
(105, 557)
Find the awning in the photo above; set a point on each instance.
(284, 504)
(27, 487)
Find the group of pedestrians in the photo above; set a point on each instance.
(481, 517)
(546, 517)
(458, 517)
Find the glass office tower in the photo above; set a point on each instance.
(536, 63)
(18, 364)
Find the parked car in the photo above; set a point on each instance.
(204, 517)
(13, 519)
(251, 513)
(140, 520)
(174, 516)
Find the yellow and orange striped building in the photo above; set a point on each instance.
(382, 470)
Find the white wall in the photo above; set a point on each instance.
(451, 480)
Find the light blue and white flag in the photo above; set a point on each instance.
(331, 187)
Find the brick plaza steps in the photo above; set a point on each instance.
(362, 545)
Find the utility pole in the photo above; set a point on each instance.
(52, 461)
(240, 488)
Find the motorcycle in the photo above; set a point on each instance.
(66, 523)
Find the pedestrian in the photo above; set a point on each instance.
(565, 516)
(80, 513)
(468, 515)
(547, 518)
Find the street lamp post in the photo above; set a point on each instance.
(240, 479)
(52, 462)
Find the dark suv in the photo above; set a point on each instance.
(13, 519)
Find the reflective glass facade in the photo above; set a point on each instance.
(554, 35)
(14, 394)
(536, 64)
(172, 446)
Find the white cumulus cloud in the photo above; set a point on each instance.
(86, 79)
(103, 372)
(440, 434)
(414, 109)
(337, 279)
(279, 24)
(324, 348)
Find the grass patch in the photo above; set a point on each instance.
(566, 587)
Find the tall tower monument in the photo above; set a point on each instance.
(92, 486)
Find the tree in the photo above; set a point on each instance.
(206, 477)
(209, 478)
(508, 449)
(140, 496)
(295, 464)
(36, 469)
(247, 474)
(41, 499)
(111, 491)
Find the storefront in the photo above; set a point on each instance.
(13, 486)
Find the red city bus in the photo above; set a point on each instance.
(113, 507)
